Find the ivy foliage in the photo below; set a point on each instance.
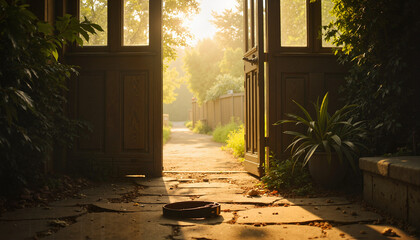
(379, 41)
(32, 90)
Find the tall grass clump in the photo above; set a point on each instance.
(166, 133)
(220, 134)
(202, 128)
(236, 142)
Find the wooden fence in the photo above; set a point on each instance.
(219, 111)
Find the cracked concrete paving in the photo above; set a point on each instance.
(105, 212)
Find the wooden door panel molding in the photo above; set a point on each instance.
(294, 89)
(136, 101)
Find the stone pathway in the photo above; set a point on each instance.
(133, 209)
(188, 151)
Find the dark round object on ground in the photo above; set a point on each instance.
(192, 209)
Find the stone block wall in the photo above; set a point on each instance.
(393, 185)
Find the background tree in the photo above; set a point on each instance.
(171, 82)
(230, 27)
(202, 68)
(215, 65)
(180, 108)
(232, 63)
(136, 22)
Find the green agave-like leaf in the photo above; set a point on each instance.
(284, 121)
(296, 141)
(293, 133)
(339, 114)
(308, 116)
(296, 156)
(336, 139)
(350, 145)
(310, 153)
(299, 119)
(323, 113)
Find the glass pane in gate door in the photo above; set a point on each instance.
(293, 23)
(249, 29)
(95, 11)
(136, 22)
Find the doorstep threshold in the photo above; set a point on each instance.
(205, 172)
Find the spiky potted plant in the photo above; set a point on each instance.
(330, 144)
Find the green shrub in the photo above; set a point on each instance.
(236, 142)
(189, 125)
(220, 134)
(288, 175)
(166, 133)
(33, 120)
(223, 84)
(202, 128)
(379, 44)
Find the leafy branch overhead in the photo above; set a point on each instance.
(68, 30)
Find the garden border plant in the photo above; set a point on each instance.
(221, 132)
(329, 143)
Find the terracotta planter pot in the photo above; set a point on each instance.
(325, 174)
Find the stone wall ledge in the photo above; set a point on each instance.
(405, 168)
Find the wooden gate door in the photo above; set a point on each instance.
(119, 89)
(301, 66)
(254, 87)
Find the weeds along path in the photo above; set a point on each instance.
(188, 151)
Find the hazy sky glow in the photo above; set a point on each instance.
(200, 25)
